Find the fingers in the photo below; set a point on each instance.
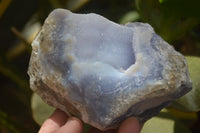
(59, 122)
(55, 121)
(73, 125)
(130, 125)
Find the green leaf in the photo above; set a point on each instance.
(164, 123)
(192, 116)
(129, 17)
(162, 1)
(159, 125)
(171, 19)
(75, 4)
(40, 110)
(191, 101)
(182, 8)
(5, 121)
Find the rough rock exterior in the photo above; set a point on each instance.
(103, 72)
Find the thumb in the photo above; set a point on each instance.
(130, 125)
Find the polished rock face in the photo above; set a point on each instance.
(103, 72)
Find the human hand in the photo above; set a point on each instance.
(59, 122)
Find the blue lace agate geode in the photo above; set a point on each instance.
(103, 72)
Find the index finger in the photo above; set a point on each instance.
(130, 125)
(54, 122)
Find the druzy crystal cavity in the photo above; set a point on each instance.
(103, 72)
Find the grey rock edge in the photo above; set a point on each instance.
(103, 72)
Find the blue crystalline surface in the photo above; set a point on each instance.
(100, 61)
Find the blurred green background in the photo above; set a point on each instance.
(177, 21)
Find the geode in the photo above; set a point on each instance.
(103, 72)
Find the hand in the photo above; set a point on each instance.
(59, 122)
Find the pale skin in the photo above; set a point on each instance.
(59, 122)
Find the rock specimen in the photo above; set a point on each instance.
(103, 72)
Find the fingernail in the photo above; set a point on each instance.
(74, 119)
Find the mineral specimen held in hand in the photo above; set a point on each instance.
(103, 72)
